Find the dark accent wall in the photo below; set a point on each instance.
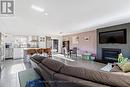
(125, 48)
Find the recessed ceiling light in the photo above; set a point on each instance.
(46, 14)
(37, 8)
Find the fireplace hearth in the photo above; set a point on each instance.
(110, 54)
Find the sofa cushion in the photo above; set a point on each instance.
(116, 68)
(97, 76)
(38, 58)
(52, 64)
(33, 60)
(126, 67)
(47, 74)
(69, 81)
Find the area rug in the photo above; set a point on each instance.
(35, 83)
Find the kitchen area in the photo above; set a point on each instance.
(16, 46)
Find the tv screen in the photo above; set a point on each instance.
(116, 36)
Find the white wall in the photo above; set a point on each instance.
(9, 38)
(2, 47)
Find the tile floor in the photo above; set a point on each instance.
(9, 75)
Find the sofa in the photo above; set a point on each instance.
(57, 74)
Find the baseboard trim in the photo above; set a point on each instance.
(8, 58)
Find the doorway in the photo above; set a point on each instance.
(55, 44)
(66, 44)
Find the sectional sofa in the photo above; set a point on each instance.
(57, 74)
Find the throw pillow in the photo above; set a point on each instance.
(125, 67)
(116, 68)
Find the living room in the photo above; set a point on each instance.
(71, 43)
(96, 40)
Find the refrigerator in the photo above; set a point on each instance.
(8, 51)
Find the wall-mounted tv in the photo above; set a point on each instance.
(113, 37)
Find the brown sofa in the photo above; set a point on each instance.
(57, 74)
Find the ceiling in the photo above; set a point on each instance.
(64, 16)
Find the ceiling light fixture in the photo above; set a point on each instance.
(37, 8)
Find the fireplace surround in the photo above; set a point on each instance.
(110, 54)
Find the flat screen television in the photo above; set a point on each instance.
(113, 37)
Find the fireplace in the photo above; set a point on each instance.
(110, 54)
